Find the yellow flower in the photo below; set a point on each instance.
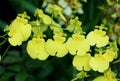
(77, 44)
(56, 10)
(114, 48)
(98, 37)
(104, 78)
(56, 46)
(58, 31)
(75, 26)
(19, 31)
(101, 78)
(108, 76)
(37, 32)
(82, 62)
(99, 63)
(45, 18)
(111, 2)
(36, 49)
(109, 55)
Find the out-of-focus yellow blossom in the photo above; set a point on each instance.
(24, 15)
(111, 2)
(58, 31)
(99, 63)
(82, 62)
(77, 5)
(19, 31)
(56, 47)
(37, 32)
(36, 49)
(56, 10)
(40, 25)
(45, 18)
(108, 76)
(98, 37)
(114, 48)
(75, 26)
(116, 14)
(77, 44)
(85, 1)
(39, 13)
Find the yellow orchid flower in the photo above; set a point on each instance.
(19, 31)
(36, 49)
(77, 44)
(99, 63)
(108, 76)
(56, 10)
(82, 62)
(98, 37)
(45, 18)
(56, 47)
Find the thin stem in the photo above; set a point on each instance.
(5, 52)
(3, 36)
(3, 42)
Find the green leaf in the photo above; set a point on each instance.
(2, 24)
(22, 5)
(46, 71)
(30, 78)
(6, 76)
(12, 56)
(2, 70)
(22, 76)
(15, 68)
(11, 60)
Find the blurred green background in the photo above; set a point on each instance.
(18, 66)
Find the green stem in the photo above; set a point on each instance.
(3, 42)
(116, 61)
(3, 36)
(5, 52)
(82, 79)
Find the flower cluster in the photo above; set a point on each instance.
(78, 43)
